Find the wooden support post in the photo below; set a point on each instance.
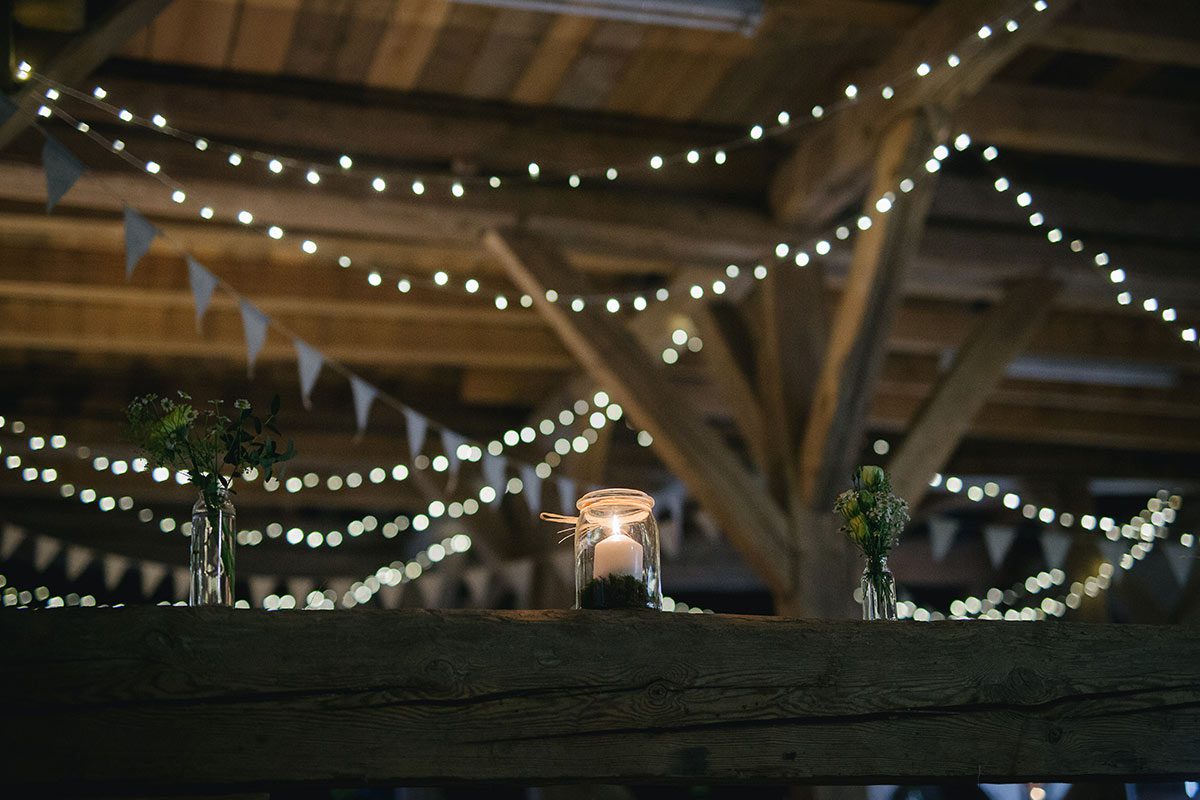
(79, 58)
(858, 336)
(8, 47)
(946, 415)
(439, 697)
(612, 356)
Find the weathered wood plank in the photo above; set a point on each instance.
(146, 699)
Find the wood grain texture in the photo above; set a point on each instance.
(219, 700)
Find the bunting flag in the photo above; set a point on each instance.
(62, 170)
(451, 441)
(493, 474)
(203, 283)
(563, 562)
(478, 581)
(430, 588)
(139, 234)
(1055, 547)
(309, 362)
(10, 540)
(364, 396)
(254, 327)
(45, 550)
(942, 532)
(566, 495)
(77, 561)
(300, 588)
(153, 575)
(1112, 552)
(7, 108)
(390, 596)
(533, 488)
(115, 568)
(518, 576)
(260, 587)
(417, 426)
(181, 584)
(999, 539)
(1180, 559)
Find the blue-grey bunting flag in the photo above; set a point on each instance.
(1055, 547)
(942, 532)
(1113, 552)
(254, 326)
(309, 361)
(1180, 559)
(566, 495)
(7, 108)
(417, 426)
(532, 487)
(62, 170)
(450, 444)
(364, 395)
(493, 474)
(999, 539)
(203, 283)
(139, 234)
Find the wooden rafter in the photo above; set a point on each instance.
(613, 357)
(978, 367)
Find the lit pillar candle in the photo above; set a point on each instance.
(617, 554)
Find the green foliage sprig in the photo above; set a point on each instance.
(212, 448)
(873, 516)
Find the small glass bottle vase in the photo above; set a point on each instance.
(616, 551)
(212, 564)
(878, 591)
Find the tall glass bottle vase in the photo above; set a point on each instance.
(214, 527)
(878, 590)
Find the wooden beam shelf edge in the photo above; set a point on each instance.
(146, 699)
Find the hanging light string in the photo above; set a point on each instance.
(969, 47)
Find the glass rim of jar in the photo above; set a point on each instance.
(594, 506)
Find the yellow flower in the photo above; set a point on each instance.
(857, 527)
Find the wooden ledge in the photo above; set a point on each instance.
(147, 699)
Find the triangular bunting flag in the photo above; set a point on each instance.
(942, 532)
(339, 587)
(78, 559)
(254, 327)
(62, 170)
(181, 584)
(364, 396)
(566, 495)
(203, 283)
(260, 587)
(999, 539)
(7, 108)
(1112, 552)
(478, 581)
(430, 586)
(139, 234)
(153, 574)
(45, 550)
(564, 566)
(115, 568)
(450, 444)
(674, 502)
(1181, 560)
(532, 487)
(390, 596)
(518, 576)
(10, 540)
(309, 362)
(417, 426)
(300, 588)
(493, 474)
(1055, 547)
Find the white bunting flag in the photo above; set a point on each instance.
(45, 550)
(10, 540)
(139, 234)
(364, 396)
(254, 327)
(300, 588)
(78, 559)
(260, 587)
(1056, 545)
(115, 568)
(532, 487)
(417, 426)
(181, 584)
(390, 596)
(62, 171)
(451, 441)
(308, 361)
(430, 586)
(493, 474)
(478, 581)
(153, 575)
(999, 539)
(518, 576)
(942, 532)
(1181, 560)
(203, 283)
(566, 495)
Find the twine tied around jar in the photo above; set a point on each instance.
(594, 516)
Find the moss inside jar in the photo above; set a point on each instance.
(615, 591)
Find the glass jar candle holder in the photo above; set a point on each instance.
(616, 551)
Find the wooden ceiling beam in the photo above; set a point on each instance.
(978, 367)
(81, 56)
(714, 474)
(1161, 32)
